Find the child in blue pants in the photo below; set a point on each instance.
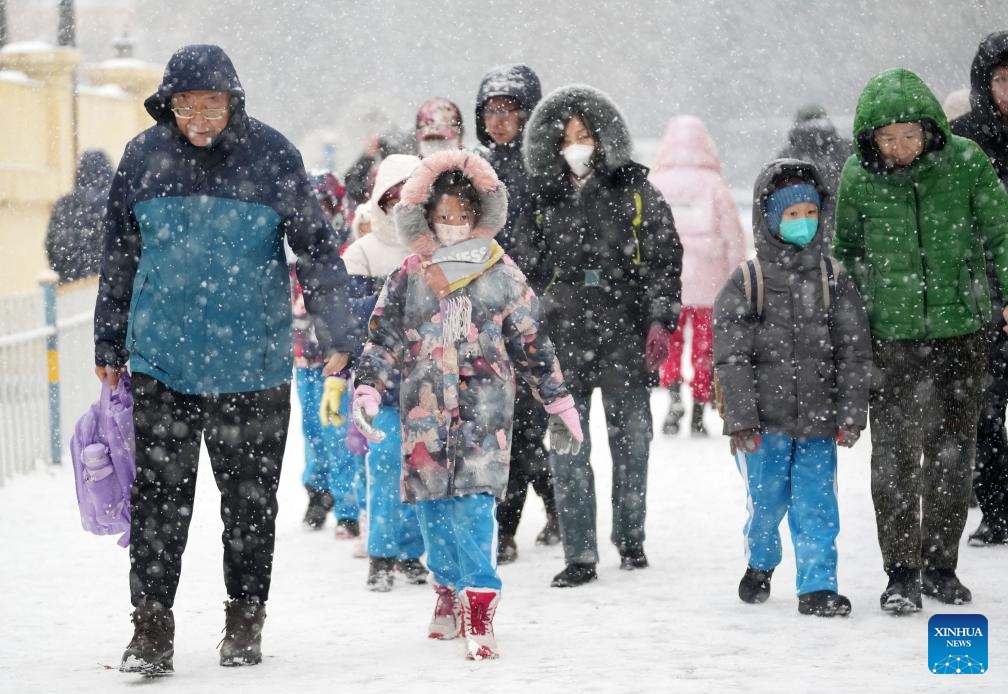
(453, 327)
(792, 355)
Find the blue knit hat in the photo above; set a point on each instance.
(781, 199)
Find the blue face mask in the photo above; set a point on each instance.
(799, 231)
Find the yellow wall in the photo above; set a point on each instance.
(45, 122)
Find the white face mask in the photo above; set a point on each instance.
(429, 147)
(450, 234)
(577, 158)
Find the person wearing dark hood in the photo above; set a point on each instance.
(194, 293)
(793, 363)
(606, 249)
(74, 240)
(814, 138)
(986, 123)
(504, 101)
(916, 210)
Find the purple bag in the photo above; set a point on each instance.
(104, 462)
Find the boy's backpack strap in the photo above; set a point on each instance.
(829, 281)
(752, 282)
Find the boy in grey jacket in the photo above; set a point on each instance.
(792, 355)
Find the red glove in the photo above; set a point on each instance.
(656, 349)
(847, 437)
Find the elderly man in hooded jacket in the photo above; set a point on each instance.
(194, 294)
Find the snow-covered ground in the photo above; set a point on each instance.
(678, 626)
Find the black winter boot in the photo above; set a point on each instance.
(380, 578)
(903, 594)
(824, 603)
(550, 534)
(242, 642)
(320, 503)
(945, 585)
(696, 426)
(575, 575)
(152, 648)
(413, 570)
(755, 585)
(507, 550)
(675, 411)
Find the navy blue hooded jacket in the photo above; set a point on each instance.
(521, 84)
(194, 287)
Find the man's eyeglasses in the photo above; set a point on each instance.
(500, 112)
(187, 112)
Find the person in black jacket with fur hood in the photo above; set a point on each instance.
(604, 247)
(986, 123)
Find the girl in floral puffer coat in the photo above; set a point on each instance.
(455, 323)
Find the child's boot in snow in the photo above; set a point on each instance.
(675, 412)
(446, 622)
(696, 426)
(755, 585)
(380, 578)
(478, 608)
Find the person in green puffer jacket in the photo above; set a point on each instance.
(916, 208)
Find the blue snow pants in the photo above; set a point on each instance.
(393, 529)
(461, 538)
(796, 477)
(328, 463)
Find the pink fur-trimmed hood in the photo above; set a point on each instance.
(410, 214)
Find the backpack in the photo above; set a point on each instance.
(752, 283)
(104, 462)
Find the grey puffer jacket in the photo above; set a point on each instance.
(798, 370)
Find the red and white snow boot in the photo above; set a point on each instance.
(478, 608)
(446, 623)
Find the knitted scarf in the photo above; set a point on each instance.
(452, 268)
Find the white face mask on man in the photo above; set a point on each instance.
(450, 234)
(432, 146)
(578, 158)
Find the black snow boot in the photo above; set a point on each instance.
(903, 594)
(320, 503)
(152, 648)
(755, 585)
(988, 534)
(944, 585)
(696, 426)
(824, 603)
(507, 550)
(675, 411)
(380, 578)
(574, 575)
(413, 570)
(633, 558)
(550, 534)
(242, 642)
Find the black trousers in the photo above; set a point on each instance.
(923, 408)
(529, 462)
(245, 435)
(990, 476)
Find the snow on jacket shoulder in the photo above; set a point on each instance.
(687, 172)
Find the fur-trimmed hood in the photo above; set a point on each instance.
(411, 213)
(544, 131)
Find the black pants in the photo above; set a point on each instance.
(529, 462)
(245, 435)
(924, 402)
(990, 476)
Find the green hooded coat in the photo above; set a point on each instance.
(913, 237)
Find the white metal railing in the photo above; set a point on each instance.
(46, 371)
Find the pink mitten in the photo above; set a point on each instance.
(366, 403)
(564, 426)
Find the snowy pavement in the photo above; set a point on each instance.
(678, 626)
